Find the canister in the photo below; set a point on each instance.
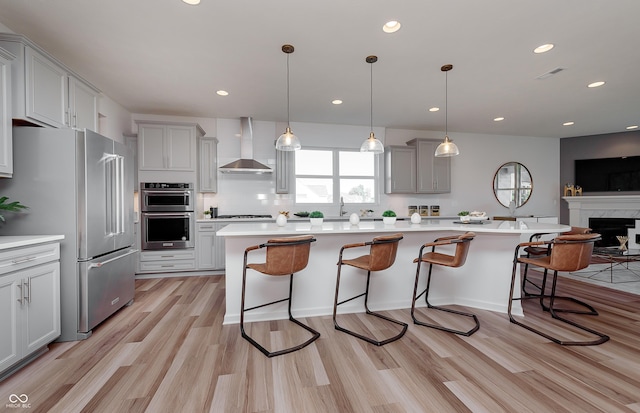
(412, 209)
(424, 210)
(434, 210)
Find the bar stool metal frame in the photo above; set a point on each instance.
(578, 246)
(278, 264)
(538, 251)
(462, 243)
(372, 262)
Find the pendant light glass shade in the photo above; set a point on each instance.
(371, 144)
(446, 148)
(288, 141)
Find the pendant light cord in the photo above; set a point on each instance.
(371, 98)
(446, 103)
(288, 124)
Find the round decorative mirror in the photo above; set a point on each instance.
(512, 183)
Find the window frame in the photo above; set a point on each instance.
(335, 177)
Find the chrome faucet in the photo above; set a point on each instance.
(342, 211)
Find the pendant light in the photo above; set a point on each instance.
(371, 144)
(446, 148)
(288, 141)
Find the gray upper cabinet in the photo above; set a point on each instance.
(208, 165)
(6, 140)
(45, 92)
(433, 174)
(166, 146)
(284, 171)
(400, 170)
(415, 169)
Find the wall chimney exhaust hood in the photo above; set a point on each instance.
(246, 164)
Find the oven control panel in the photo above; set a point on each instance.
(165, 185)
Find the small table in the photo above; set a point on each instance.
(615, 258)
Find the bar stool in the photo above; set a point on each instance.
(284, 256)
(537, 251)
(567, 253)
(462, 244)
(382, 254)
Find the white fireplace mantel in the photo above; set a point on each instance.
(581, 208)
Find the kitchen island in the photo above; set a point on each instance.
(483, 282)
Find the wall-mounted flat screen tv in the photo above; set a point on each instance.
(608, 174)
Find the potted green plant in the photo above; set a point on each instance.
(14, 206)
(316, 217)
(207, 214)
(389, 217)
(464, 216)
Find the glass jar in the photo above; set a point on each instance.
(424, 210)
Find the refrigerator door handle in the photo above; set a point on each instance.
(100, 264)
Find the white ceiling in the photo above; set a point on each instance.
(165, 57)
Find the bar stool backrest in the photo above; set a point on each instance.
(287, 255)
(572, 252)
(462, 248)
(383, 252)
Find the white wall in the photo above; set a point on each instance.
(113, 119)
(471, 172)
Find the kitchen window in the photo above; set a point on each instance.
(323, 176)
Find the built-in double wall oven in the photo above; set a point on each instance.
(167, 215)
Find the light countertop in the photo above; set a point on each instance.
(295, 228)
(8, 242)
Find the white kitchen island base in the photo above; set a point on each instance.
(483, 282)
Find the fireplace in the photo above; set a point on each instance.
(610, 228)
(583, 208)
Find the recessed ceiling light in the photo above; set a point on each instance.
(434, 109)
(391, 26)
(222, 92)
(543, 48)
(632, 127)
(192, 2)
(498, 119)
(595, 84)
(568, 123)
(336, 102)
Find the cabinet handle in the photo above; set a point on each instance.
(75, 119)
(23, 260)
(206, 227)
(27, 296)
(21, 299)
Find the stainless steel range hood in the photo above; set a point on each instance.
(246, 164)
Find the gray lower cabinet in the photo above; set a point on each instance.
(209, 247)
(167, 260)
(29, 302)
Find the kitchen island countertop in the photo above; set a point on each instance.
(483, 282)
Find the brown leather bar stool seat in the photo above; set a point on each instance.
(382, 255)
(567, 253)
(432, 257)
(538, 251)
(284, 256)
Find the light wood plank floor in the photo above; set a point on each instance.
(169, 352)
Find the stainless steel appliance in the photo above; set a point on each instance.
(167, 216)
(77, 183)
(166, 197)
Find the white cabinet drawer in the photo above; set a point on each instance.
(169, 266)
(19, 258)
(169, 255)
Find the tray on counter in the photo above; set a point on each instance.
(473, 222)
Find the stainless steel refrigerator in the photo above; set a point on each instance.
(79, 184)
